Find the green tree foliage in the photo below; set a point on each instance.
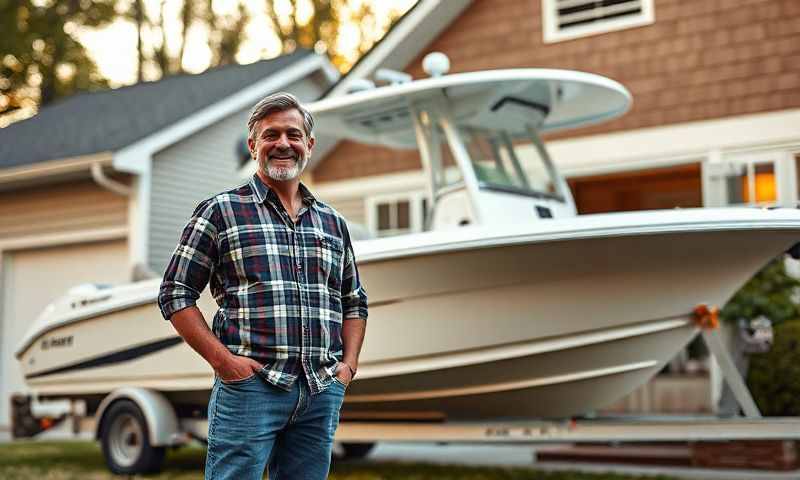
(768, 293)
(40, 60)
(774, 377)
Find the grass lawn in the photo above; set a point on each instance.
(83, 461)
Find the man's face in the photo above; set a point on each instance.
(281, 146)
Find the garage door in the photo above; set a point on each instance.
(34, 278)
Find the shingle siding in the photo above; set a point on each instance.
(698, 61)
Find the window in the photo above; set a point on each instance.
(567, 19)
(752, 183)
(389, 215)
(797, 175)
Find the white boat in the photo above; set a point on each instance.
(509, 305)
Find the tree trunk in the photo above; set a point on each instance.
(139, 18)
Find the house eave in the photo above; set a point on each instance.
(62, 169)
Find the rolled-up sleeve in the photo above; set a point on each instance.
(354, 296)
(192, 263)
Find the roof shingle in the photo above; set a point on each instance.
(112, 119)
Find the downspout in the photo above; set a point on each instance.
(109, 184)
(139, 269)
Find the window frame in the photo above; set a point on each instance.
(415, 220)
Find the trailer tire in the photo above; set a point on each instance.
(354, 451)
(125, 441)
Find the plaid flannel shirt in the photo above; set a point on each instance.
(283, 288)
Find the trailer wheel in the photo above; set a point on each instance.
(353, 451)
(125, 441)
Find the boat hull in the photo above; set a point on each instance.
(551, 328)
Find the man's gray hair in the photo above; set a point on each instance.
(279, 102)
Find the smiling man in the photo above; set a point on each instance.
(292, 311)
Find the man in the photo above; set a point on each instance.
(292, 312)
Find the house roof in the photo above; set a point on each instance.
(109, 120)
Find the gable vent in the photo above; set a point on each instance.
(567, 19)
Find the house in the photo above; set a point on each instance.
(715, 119)
(96, 188)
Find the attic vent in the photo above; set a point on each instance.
(567, 19)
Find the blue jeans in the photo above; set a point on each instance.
(252, 424)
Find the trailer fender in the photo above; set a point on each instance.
(162, 422)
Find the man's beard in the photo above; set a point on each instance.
(282, 174)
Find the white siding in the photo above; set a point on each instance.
(194, 169)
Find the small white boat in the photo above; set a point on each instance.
(509, 305)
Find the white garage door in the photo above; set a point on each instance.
(34, 278)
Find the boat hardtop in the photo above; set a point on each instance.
(511, 99)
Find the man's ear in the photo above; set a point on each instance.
(251, 147)
(310, 144)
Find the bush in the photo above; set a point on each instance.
(769, 293)
(774, 377)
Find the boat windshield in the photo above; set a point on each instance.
(512, 164)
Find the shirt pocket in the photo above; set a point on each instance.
(326, 259)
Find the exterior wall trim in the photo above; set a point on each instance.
(54, 167)
(372, 185)
(58, 239)
(674, 144)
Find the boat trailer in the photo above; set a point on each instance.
(622, 429)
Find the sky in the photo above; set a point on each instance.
(113, 48)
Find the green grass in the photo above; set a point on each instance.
(83, 460)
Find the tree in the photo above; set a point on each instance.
(40, 60)
(320, 24)
(312, 24)
(769, 293)
(157, 56)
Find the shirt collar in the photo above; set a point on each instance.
(264, 192)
